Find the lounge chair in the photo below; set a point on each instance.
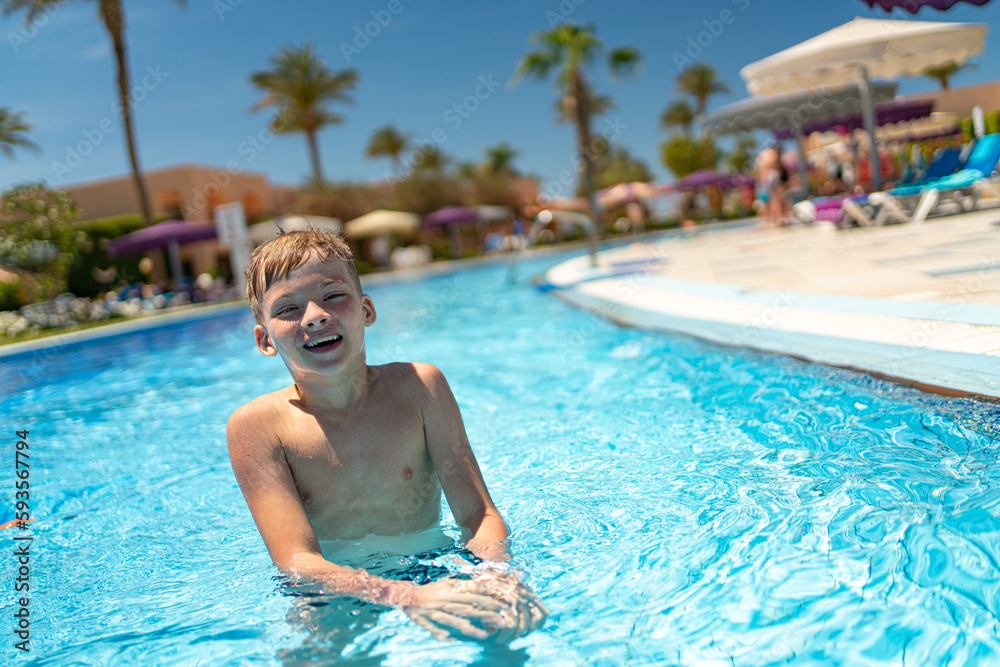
(876, 208)
(857, 208)
(969, 182)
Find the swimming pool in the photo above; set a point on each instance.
(674, 502)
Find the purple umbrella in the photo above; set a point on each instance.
(897, 111)
(170, 234)
(913, 6)
(161, 236)
(706, 177)
(450, 215)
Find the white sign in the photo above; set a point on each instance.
(230, 223)
(231, 226)
(978, 121)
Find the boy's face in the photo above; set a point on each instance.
(315, 318)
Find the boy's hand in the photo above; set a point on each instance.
(493, 606)
(455, 608)
(525, 611)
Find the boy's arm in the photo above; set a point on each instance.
(262, 472)
(446, 608)
(458, 471)
(470, 503)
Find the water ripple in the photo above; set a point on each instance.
(672, 501)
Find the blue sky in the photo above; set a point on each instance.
(191, 66)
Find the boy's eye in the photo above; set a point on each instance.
(334, 295)
(284, 310)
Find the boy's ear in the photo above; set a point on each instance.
(264, 341)
(369, 308)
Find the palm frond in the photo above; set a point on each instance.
(624, 62)
(677, 114)
(537, 64)
(13, 131)
(34, 7)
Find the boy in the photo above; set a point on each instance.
(350, 450)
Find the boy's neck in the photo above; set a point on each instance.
(334, 392)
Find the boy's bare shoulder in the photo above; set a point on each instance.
(257, 419)
(414, 377)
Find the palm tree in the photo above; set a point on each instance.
(431, 158)
(389, 142)
(943, 73)
(467, 170)
(113, 15)
(13, 132)
(741, 159)
(700, 81)
(569, 49)
(598, 105)
(499, 159)
(299, 88)
(619, 166)
(678, 114)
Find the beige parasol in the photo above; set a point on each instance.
(862, 49)
(269, 229)
(380, 222)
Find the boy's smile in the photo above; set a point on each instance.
(321, 343)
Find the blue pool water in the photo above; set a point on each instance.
(673, 502)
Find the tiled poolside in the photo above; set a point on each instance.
(919, 303)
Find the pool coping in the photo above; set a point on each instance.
(160, 318)
(935, 345)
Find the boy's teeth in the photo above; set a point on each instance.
(326, 339)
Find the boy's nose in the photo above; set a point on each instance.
(315, 315)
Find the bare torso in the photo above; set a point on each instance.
(366, 471)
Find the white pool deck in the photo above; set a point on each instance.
(917, 303)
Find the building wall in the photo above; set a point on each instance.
(961, 100)
(191, 190)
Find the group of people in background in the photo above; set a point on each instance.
(835, 174)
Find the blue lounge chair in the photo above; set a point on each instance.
(863, 208)
(969, 182)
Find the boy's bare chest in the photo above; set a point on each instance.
(353, 477)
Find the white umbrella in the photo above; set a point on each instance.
(565, 218)
(491, 213)
(863, 49)
(626, 192)
(938, 123)
(793, 111)
(269, 229)
(382, 221)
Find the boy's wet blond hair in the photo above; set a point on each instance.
(274, 260)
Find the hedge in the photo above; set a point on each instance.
(81, 280)
(991, 121)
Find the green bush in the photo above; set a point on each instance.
(683, 154)
(113, 226)
(10, 296)
(83, 280)
(993, 122)
(37, 237)
(968, 130)
(663, 223)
